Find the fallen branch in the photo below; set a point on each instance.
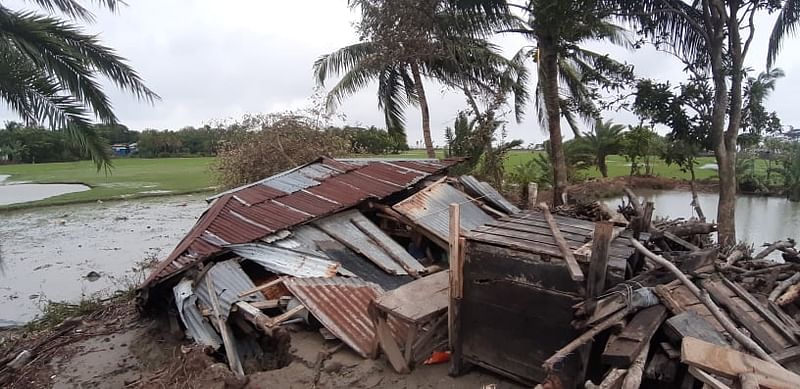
(584, 338)
(781, 244)
(634, 201)
(611, 380)
(783, 285)
(692, 228)
(704, 298)
(733, 257)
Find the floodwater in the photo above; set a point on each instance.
(66, 252)
(13, 193)
(758, 219)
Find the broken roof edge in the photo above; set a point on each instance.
(254, 183)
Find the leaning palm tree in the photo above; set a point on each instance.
(50, 71)
(786, 24)
(604, 140)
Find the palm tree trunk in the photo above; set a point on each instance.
(423, 107)
(548, 76)
(601, 164)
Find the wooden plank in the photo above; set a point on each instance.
(572, 264)
(227, 338)
(367, 227)
(788, 355)
(690, 324)
(598, 265)
(269, 304)
(731, 363)
(762, 310)
(747, 319)
(261, 287)
(532, 230)
(418, 300)
(622, 351)
(389, 345)
(516, 244)
(677, 239)
(708, 380)
(585, 251)
(571, 225)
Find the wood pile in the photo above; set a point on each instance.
(691, 314)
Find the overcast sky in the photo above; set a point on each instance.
(213, 60)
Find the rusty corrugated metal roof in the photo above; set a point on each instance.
(340, 304)
(429, 209)
(287, 199)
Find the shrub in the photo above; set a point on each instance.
(271, 144)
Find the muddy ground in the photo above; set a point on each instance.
(115, 348)
(66, 253)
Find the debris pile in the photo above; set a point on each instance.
(393, 258)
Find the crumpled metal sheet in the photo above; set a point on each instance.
(388, 255)
(320, 188)
(229, 280)
(487, 193)
(340, 304)
(285, 261)
(197, 326)
(430, 209)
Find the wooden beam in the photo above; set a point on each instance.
(533, 194)
(230, 346)
(454, 255)
(261, 287)
(626, 347)
(677, 239)
(730, 363)
(456, 258)
(379, 241)
(708, 380)
(761, 309)
(277, 320)
(575, 271)
(598, 266)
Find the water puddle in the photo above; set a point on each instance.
(65, 252)
(758, 219)
(23, 193)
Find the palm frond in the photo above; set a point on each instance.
(341, 61)
(74, 9)
(786, 24)
(393, 96)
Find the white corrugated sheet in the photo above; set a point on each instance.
(285, 261)
(197, 326)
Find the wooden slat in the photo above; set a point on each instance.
(761, 310)
(572, 264)
(418, 300)
(531, 229)
(622, 351)
(690, 324)
(730, 363)
(598, 265)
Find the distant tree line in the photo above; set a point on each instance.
(36, 144)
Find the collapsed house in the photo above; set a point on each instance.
(394, 258)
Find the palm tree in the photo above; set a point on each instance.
(604, 140)
(49, 70)
(785, 24)
(564, 68)
(451, 52)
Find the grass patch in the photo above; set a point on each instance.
(129, 178)
(54, 313)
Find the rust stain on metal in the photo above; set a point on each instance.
(340, 304)
(288, 199)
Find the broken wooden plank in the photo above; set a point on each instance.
(261, 287)
(622, 351)
(572, 264)
(730, 363)
(708, 380)
(761, 309)
(788, 355)
(677, 239)
(599, 264)
(634, 377)
(690, 324)
(277, 320)
(227, 338)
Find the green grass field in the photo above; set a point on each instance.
(134, 177)
(129, 178)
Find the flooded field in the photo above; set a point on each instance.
(758, 219)
(65, 252)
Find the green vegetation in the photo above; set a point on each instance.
(130, 178)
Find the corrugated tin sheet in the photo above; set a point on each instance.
(284, 261)
(197, 326)
(311, 240)
(340, 304)
(388, 255)
(488, 194)
(287, 199)
(229, 280)
(429, 209)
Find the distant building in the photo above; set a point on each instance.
(123, 150)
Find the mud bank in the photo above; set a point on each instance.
(66, 252)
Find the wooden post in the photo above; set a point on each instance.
(456, 244)
(601, 241)
(575, 271)
(533, 194)
(230, 347)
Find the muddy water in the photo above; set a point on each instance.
(49, 253)
(758, 219)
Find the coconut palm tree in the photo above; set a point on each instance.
(50, 71)
(451, 52)
(786, 24)
(604, 140)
